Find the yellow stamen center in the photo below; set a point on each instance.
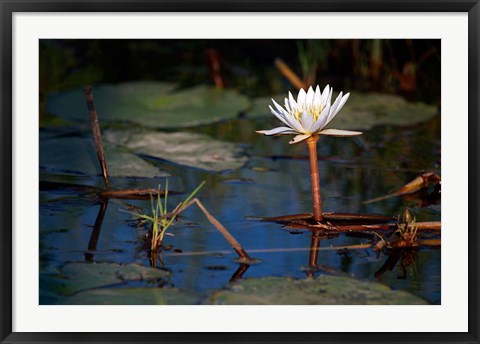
(313, 110)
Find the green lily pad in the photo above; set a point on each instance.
(363, 111)
(323, 290)
(77, 155)
(184, 148)
(133, 296)
(151, 104)
(76, 277)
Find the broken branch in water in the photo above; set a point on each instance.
(331, 217)
(135, 193)
(415, 185)
(432, 225)
(226, 234)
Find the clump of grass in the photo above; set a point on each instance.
(404, 236)
(408, 229)
(161, 219)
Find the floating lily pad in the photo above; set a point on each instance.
(76, 277)
(77, 156)
(323, 290)
(151, 104)
(133, 296)
(363, 111)
(184, 148)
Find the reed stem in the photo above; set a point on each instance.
(97, 134)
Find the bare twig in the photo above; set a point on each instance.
(97, 134)
(432, 225)
(330, 217)
(226, 234)
(135, 193)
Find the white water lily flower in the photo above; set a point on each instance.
(309, 114)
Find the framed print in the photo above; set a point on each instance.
(244, 172)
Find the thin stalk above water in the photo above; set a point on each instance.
(316, 196)
(97, 134)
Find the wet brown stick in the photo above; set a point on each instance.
(97, 134)
(316, 197)
(331, 217)
(421, 226)
(135, 193)
(226, 234)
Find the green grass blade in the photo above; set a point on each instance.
(194, 192)
(151, 202)
(166, 195)
(159, 203)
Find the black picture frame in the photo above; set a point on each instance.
(8, 7)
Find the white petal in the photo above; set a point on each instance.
(299, 138)
(277, 131)
(288, 119)
(307, 121)
(318, 95)
(339, 106)
(326, 92)
(339, 133)
(301, 97)
(287, 105)
(293, 103)
(294, 124)
(280, 109)
(280, 116)
(291, 107)
(334, 106)
(322, 120)
(310, 96)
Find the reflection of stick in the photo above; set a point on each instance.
(226, 234)
(239, 273)
(314, 246)
(92, 244)
(97, 135)
(275, 250)
(288, 73)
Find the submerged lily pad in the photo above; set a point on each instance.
(77, 156)
(75, 277)
(323, 290)
(184, 148)
(133, 296)
(363, 111)
(151, 104)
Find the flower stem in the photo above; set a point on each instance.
(316, 196)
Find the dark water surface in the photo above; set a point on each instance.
(272, 183)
